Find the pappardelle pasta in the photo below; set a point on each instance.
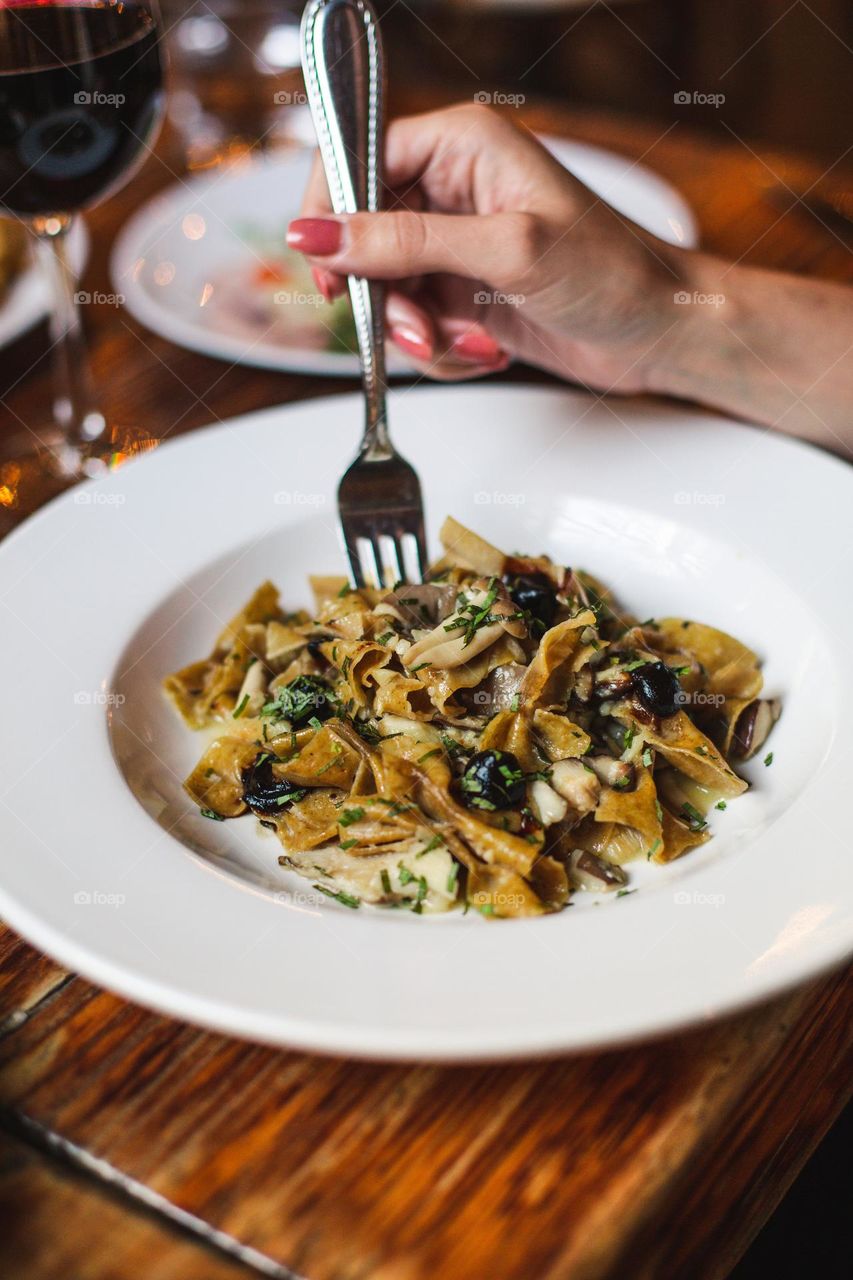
(494, 738)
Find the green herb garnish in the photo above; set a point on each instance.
(345, 899)
(694, 817)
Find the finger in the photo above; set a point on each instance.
(445, 369)
(500, 248)
(463, 154)
(315, 198)
(410, 327)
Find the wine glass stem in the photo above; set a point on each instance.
(80, 422)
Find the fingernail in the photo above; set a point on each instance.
(410, 340)
(478, 347)
(314, 235)
(323, 282)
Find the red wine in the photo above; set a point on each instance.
(80, 98)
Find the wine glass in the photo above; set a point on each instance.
(81, 100)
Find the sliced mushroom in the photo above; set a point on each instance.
(576, 783)
(252, 693)
(586, 871)
(613, 773)
(548, 806)
(446, 647)
(503, 606)
(753, 725)
(496, 693)
(584, 685)
(613, 683)
(423, 605)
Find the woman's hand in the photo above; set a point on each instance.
(496, 251)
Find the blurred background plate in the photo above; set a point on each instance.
(28, 297)
(204, 263)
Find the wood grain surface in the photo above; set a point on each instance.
(199, 1156)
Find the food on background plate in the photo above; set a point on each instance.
(271, 297)
(12, 254)
(498, 737)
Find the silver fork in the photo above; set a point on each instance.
(379, 497)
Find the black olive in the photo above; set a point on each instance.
(493, 780)
(657, 688)
(263, 792)
(536, 595)
(314, 647)
(302, 699)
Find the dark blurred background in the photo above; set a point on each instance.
(785, 68)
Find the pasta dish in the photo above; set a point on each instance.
(495, 738)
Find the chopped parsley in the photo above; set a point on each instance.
(384, 639)
(349, 816)
(345, 899)
(386, 881)
(238, 711)
(404, 875)
(348, 844)
(647, 757)
(721, 804)
(209, 813)
(451, 746)
(469, 618)
(436, 751)
(452, 878)
(651, 852)
(694, 817)
(768, 759)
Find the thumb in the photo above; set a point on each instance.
(498, 248)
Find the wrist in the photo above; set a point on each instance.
(696, 319)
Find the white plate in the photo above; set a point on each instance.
(109, 867)
(184, 261)
(28, 299)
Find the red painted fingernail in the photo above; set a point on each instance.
(478, 347)
(314, 235)
(409, 340)
(323, 282)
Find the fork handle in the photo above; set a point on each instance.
(342, 63)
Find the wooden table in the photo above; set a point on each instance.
(139, 1146)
